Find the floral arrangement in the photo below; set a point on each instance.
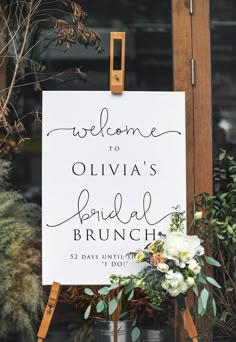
(174, 266)
(175, 258)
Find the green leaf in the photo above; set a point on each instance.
(100, 306)
(88, 291)
(112, 306)
(135, 334)
(225, 194)
(200, 261)
(131, 295)
(195, 290)
(200, 308)
(200, 279)
(114, 286)
(118, 298)
(129, 287)
(213, 282)
(222, 155)
(212, 261)
(204, 298)
(230, 229)
(87, 312)
(224, 316)
(214, 306)
(104, 290)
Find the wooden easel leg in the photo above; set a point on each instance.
(189, 324)
(49, 311)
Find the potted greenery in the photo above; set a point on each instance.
(155, 323)
(110, 310)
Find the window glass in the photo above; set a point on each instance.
(148, 68)
(223, 49)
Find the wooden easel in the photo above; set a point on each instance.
(49, 311)
(116, 87)
(117, 78)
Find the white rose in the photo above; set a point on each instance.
(182, 248)
(194, 266)
(162, 267)
(190, 281)
(174, 283)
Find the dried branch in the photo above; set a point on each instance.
(24, 25)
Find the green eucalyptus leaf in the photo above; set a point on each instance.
(200, 307)
(214, 306)
(88, 291)
(200, 261)
(213, 282)
(112, 306)
(200, 279)
(135, 334)
(104, 290)
(204, 298)
(87, 312)
(195, 290)
(212, 261)
(131, 295)
(129, 287)
(118, 298)
(224, 316)
(114, 286)
(100, 306)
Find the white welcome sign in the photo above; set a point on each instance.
(113, 168)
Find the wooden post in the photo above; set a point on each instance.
(202, 113)
(182, 53)
(191, 53)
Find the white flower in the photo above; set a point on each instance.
(190, 281)
(198, 215)
(182, 248)
(174, 283)
(162, 267)
(194, 266)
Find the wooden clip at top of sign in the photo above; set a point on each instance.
(49, 311)
(117, 76)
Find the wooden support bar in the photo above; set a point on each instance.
(182, 54)
(49, 311)
(189, 324)
(117, 77)
(202, 116)
(191, 41)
